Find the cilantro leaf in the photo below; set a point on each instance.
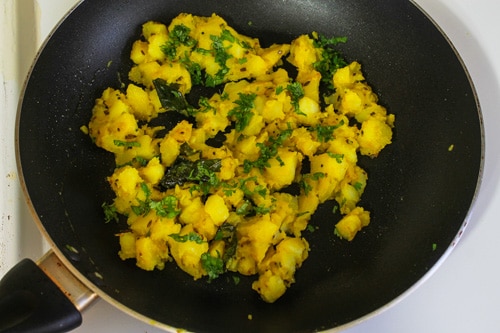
(213, 265)
(242, 113)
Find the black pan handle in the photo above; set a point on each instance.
(30, 300)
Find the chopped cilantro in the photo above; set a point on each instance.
(242, 113)
(331, 59)
(190, 237)
(279, 89)
(178, 36)
(127, 144)
(214, 266)
(166, 207)
(305, 186)
(358, 186)
(267, 152)
(325, 132)
(296, 93)
(110, 212)
(338, 157)
(194, 70)
(205, 105)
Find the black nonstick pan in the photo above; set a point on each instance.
(420, 191)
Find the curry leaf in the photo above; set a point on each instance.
(171, 98)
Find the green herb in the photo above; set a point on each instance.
(194, 70)
(213, 265)
(338, 157)
(311, 228)
(279, 89)
(227, 35)
(190, 237)
(261, 209)
(200, 171)
(110, 213)
(140, 160)
(220, 56)
(267, 152)
(127, 144)
(434, 246)
(227, 232)
(242, 113)
(171, 98)
(358, 186)
(204, 174)
(259, 189)
(245, 208)
(166, 207)
(296, 93)
(305, 186)
(331, 59)
(325, 132)
(178, 36)
(302, 213)
(205, 105)
(228, 188)
(143, 208)
(71, 248)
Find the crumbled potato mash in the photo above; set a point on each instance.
(217, 205)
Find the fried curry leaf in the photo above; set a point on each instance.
(171, 98)
(183, 170)
(227, 233)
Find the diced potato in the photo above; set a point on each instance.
(303, 54)
(350, 224)
(126, 183)
(375, 135)
(148, 254)
(281, 172)
(269, 286)
(193, 212)
(153, 172)
(127, 245)
(169, 148)
(187, 254)
(332, 169)
(216, 208)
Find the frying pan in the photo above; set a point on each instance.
(420, 191)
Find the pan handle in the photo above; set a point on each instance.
(43, 297)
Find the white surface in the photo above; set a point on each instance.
(463, 295)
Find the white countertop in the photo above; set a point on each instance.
(463, 295)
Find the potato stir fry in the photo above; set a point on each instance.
(233, 184)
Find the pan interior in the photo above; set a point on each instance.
(419, 192)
